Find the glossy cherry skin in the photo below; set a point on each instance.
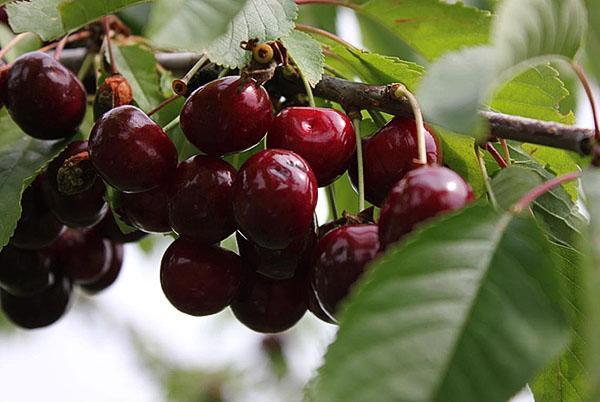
(147, 211)
(44, 98)
(200, 279)
(80, 210)
(274, 198)
(389, 154)
(81, 254)
(130, 151)
(109, 229)
(339, 261)
(40, 310)
(324, 137)
(278, 264)
(270, 306)
(315, 307)
(200, 205)
(110, 276)
(23, 272)
(227, 115)
(38, 227)
(422, 194)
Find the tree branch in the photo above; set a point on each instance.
(354, 95)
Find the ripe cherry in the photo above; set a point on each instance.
(230, 114)
(44, 98)
(130, 151)
(200, 200)
(199, 279)
(315, 307)
(38, 227)
(83, 209)
(389, 154)
(325, 138)
(110, 276)
(340, 259)
(109, 229)
(270, 306)
(274, 198)
(22, 272)
(81, 255)
(422, 194)
(147, 211)
(40, 310)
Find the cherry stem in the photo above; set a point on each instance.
(86, 65)
(180, 87)
(72, 38)
(589, 93)
(496, 155)
(400, 91)
(332, 203)
(543, 189)
(330, 2)
(111, 55)
(60, 47)
(163, 104)
(486, 177)
(171, 125)
(377, 117)
(335, 72)
(327, 34)
(359, 162)
(307, 87)
(224, 72)
(13, 42)
(504, 144)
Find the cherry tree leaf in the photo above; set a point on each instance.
(307, 54)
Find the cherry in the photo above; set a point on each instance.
(147, 211)
(40, 310)
(110, 276)
(38, 227)
(315, 307)
(44, 98)
(81, 255)
(200, 202)
(3, 84)
(230, 114)
(422, 194)
(22, 272)
(325, 138)
(274, 198)
(278, 264)
(199, 279)
(340, 260)
(83, 209)
(130, 151)
(270, 306)
(389, 154)
(109, 229)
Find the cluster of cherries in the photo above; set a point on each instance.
(286, 263)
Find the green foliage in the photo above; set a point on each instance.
(593, 36)
(306, 53)
(31, 43)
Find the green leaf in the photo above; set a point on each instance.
(593, 37)
(21, 158)
(464, 310)
(307, 54)
(512, 183)
(264, 20)
(28, 44)
(191, 24)
(526, 33)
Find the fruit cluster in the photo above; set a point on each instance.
(286, 264)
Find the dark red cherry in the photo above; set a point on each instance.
(199, 279)
(389, 154)
(109, 229)
(40, 310)
(325, 138)
(278, 264)
(200, 200)
(3, 84)
(44, 98)
(83, 209)
(274, 198)
(270, 306)
(81, 255)
(38, 227)
(22, 272)
(110, 276)
(227, 115)
(147, 211)
(130, 151)
(422, 194)
(340, 259)
(315, 307)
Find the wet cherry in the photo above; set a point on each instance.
(110, 276)
(274, 198)
(324, 137)
(315, 307)
(227, 115)
(109, 229)
(422, 194)
(22, 272)
(147, 211)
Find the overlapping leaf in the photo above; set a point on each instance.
(307, 54)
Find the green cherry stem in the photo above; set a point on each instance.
(163, 104)
(504, 144)
(171, 125)
(13, 42)
(486, 177)
(224, 72)
(400, 91)
(330, 190)
(330, 2)
(307, 87)
(87, 63)
(111, 55)
(542, 189)
(377, 117)
(326, 34)
(589, 93)
(359, 161)
(180, 86)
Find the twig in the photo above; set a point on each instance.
(496, 155)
